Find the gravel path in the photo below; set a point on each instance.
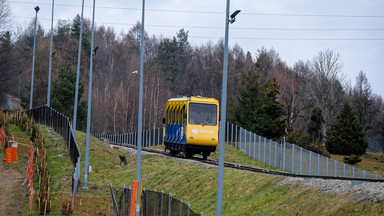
(371, 191)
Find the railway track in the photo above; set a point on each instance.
(250, 169)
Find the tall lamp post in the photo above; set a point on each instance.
(78, 72)
(86, 161)
(140, 117)
(33, 58)
(50, 58)
(220, 179)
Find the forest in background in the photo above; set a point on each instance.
(309, 94)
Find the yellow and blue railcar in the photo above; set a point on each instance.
(191, 126)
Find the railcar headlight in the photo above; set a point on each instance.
(213, 139)
(190, 137)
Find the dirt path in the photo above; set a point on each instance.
(12, 192)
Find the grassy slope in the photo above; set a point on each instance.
(372, 162)
(244, 193)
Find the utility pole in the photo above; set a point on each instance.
(220, 178)
(86, 162)
(33, 58)
(140, 121)
(50, 58)
(78, 72)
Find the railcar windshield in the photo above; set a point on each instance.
(203, 114)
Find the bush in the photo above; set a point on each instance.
(354, 159)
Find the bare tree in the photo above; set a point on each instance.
(324, 88)
(5, 16)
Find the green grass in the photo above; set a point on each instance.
(245, 193)
(371, 162)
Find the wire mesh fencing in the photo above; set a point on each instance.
(62, 125)
(152, 203)
(290, 157)
(151, 137)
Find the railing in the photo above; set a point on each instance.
(150, 137)
(61, 125)
(284, 156)
(152, 203)
(290, 157)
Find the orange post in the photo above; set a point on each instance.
(132, 208)
(14, 154)
(8, 155)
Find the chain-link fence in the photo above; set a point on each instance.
(152, 203)
(150, 137)
(290, 157)
(62, 125)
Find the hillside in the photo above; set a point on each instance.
(245, 193)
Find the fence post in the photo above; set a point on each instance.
(284, 156)
(236, 137)
(146, 203)
(124, 197)
(115, 207)
(318, 164)
(276, 154)
(249, 144)
(363, 173)
(170, 204)
(129, 198)
(301, 160)
(240, 138)
(353, 172)
(254, 146)
(310, 162)
(227, 132)
(154, 202)
(189, 209)
(264, 148)
(161, 203)
(327, 164)
(293, 158)
(231, 134)
(181, 207)
(270, 152)
(259, 156)
(335, 168)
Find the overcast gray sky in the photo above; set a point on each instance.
(296, 29)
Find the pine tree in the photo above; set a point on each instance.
(346, 134)
(315, 124)
(257, 108)
(63, 95)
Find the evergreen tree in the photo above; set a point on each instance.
(346, 134)
(257, 108)
(63, 95)
(315, 124)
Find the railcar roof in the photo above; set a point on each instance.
(195, 99)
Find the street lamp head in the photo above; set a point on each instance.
(233, 16)
(37, 9)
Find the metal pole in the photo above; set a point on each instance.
(310, 162)
(86, 162)
(140, 121)
(220, 178)
(78, 71)
(33, 57)
(50, 57)
(301, 160)
(18, 97)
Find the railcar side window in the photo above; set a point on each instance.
(203, 114)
